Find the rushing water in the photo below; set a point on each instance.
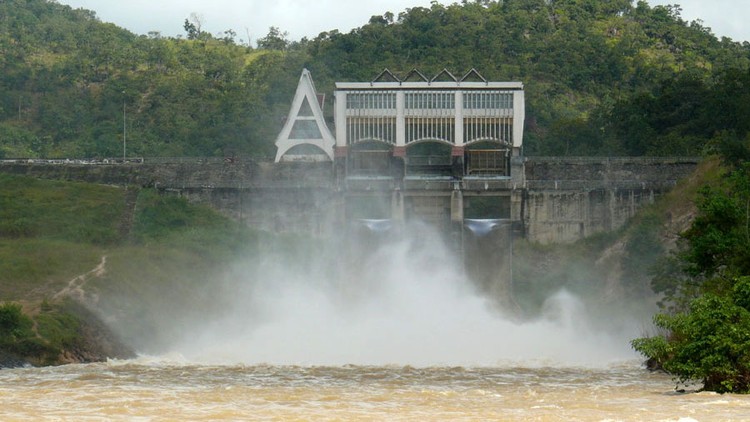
(406, 337)
(158, 390)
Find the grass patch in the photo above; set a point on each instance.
(77, 212)
(59, 327)
(32, 269)
(53, 231)
(18, 338)
(173, 222)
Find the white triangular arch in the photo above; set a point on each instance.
(322, 138)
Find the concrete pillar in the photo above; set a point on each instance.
(586, 216)
(519, 116)
(399, 164)
(397, 206)
(459, 119)
(457, 162)
(340, 154)
(340, 119)
(518, 171)
(400, 119)
(457, 206)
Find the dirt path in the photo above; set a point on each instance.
(75, 286)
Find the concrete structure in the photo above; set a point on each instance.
(442, 150)
(415, 147)
(305, 135)
(446, 151)
(561, 199)
(473, 125)
(382, 118)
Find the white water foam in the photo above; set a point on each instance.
(408, 303)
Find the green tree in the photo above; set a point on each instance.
(63, 73)
(274, 40)
(709, 343)
(14, 324)
(708, 338)
(719, 237)
(190, 29)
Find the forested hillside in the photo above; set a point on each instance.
(603, 77)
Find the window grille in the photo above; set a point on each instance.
(430, 100)
(370, 100)
(371, 128)
(488, 100)
(488, 129)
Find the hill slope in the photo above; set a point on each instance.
(70, 84)
(63, 251)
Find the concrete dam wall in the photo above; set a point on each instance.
(571, 198)
(549, 200)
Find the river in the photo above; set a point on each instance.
(406, 338)
(160, 389)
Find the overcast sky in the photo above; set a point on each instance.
(308, 18)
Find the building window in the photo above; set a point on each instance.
(370, 100)
(488, 129)
(430, 128)
(430, 100)
(371, 128)
(488, 100)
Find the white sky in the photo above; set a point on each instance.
(308, 18)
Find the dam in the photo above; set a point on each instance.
(446, 150)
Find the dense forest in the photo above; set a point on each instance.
(603, 77)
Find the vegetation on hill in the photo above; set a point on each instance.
(62, 244)
(607, 77)
(706, 289)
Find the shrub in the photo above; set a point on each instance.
(710, 343)
(14, 325)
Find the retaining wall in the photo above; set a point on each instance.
(557, 199)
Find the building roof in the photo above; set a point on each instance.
(415, 79)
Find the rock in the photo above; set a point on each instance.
(8, 360)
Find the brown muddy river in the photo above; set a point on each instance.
(158, 389)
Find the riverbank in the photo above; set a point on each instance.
(61, 333)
